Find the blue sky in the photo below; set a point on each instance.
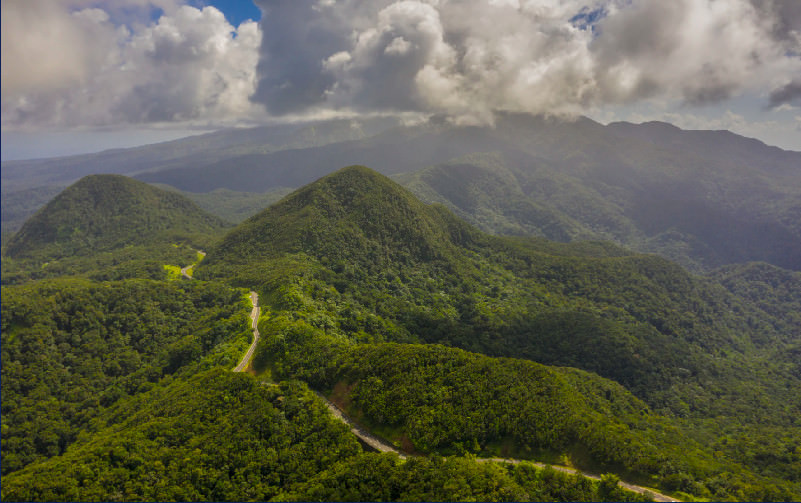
(235, 11)
(114, 73)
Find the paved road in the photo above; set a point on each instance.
(382, 445)
(376, 443)
(185, 270)
(254, 316)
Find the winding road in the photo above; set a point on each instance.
(254, 316)
(382, 445)
(185, 270)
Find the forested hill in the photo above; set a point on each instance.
(396, 269)
(442, 339)
(103, 212)
(703, 199)
(354, 208)
(353, 263)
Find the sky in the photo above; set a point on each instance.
(86, 75)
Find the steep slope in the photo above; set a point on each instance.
(29, 185)
(104, 212)
(354, 257)
(433, 278)
(704, 199)
(701, 198)
(352, 208)
(514, 193)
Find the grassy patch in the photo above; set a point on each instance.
(173, 272)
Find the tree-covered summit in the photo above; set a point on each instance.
(354, 207)
(105, 212)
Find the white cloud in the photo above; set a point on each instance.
(68, 64)
(471, 57)
(96, 63)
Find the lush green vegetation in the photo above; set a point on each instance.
(220, 436)
(371, 261)
(358, 258)
(109, 227)
(107, 212)
(433, 399)
(433, 334)
(71, 348)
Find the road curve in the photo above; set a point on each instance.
(382, 445)
(185, 270)
(254, 317)
(368, 438)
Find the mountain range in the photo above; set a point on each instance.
(701, 198)
(486, 309)
(441, 338)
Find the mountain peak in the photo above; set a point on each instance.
(352, 212)
(104, 212)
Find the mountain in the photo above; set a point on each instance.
(352, 208)
(103, 212)
(353, 264)
(704, 199)
(440, 338)
(701, 198)
(28, 185)
(109, 227)
(193, 151)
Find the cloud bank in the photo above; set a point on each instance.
(96, 63)
(80, 63)
(468, 58)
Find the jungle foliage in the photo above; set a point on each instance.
(72, 348)
(220, 436)
(443, 339)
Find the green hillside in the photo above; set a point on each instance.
(72, 347)
(104, 212)
(696, 210)
(358, 258)
(703, 199)
(219, 436)
(111, 226)
(440, 338)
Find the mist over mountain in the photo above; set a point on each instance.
(193, 151)
(702, 198)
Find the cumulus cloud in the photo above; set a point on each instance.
(109, 62)
(88, 63)
(468, 58)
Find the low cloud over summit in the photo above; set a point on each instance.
(119, 63)
(470, 57)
